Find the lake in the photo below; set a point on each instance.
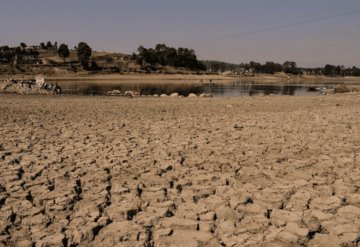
(217, 89)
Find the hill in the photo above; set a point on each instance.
(59, 61)
(29, 60)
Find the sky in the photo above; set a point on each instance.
(310, 32)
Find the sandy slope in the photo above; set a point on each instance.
(107, 171)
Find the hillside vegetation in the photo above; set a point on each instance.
(51, 59)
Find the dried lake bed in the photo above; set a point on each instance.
(244, 171)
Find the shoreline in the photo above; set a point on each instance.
(271, 79)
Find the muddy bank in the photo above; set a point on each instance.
(108, 171)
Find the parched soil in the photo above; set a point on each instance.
(108, 171)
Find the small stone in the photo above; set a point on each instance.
(174, 95)
(206, 95)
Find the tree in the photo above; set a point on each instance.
(42, 45)
(23, 45)
(63, 51)
(271, 67)
(163, 55)
(84, 53)
(329, 70)
(355, 71)
(290, 68)
(48, 45)
(256, 67)
(170, 56)
(18, 51)
(93, 66)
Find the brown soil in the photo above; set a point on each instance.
(108, 171)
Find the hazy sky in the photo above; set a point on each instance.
(311, 32)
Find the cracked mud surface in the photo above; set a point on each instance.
(103, 171)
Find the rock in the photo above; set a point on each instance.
(192, 95)
(174, 95)
(131, 93)
(163, 95)
(115, 93)
(206, 95)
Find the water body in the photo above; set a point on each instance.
(236, 89)
(225, 89)
(143, 88)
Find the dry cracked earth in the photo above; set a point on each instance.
(108, 171)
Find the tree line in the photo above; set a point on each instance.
(10, 54)
(162, 55)
(288, 67)
(168, 56)
(270, 67)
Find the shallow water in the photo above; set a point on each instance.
(236, 89)
(146, 88)
(224, 89)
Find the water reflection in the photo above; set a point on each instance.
(96, 88)
(229, 89)
(253, 89)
